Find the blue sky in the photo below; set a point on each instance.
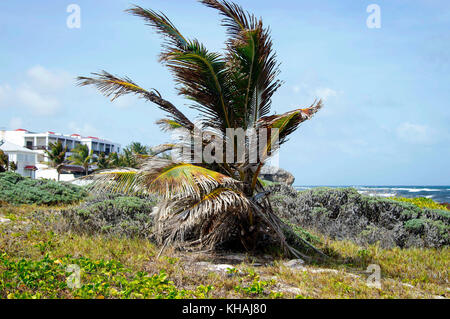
(386, 91)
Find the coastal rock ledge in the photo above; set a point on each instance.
(276, 175)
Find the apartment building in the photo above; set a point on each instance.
(34, 144)
(39, 142)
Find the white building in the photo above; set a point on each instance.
(24, 158)
(37, 143)
(40, 141)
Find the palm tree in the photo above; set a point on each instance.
(138, 148)
(82, 156)
(57, 156)
(4, 161)
(102, 161)
(12, 166)
(210, 205)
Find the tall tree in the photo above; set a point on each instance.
(211, 204)
(82, 156)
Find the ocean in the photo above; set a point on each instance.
(439, 194)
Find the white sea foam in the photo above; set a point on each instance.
(383, 194)
(415, 190)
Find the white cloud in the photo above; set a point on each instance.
(325, 93)
(415, 133)
(312, 92)
(39, 93)
(48, 80)
(39, 104)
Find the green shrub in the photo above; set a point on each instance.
(415, 225)
(116, 215)
(16, 189)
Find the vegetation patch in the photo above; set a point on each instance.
(344, 214)
(16, 189)
(114, 215)
(99, 279)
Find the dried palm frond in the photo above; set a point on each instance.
(114, 86)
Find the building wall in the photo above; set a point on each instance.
(22, 160)
(51, 173)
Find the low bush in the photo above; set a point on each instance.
(115, 215)
(16, 189)
(344, 214)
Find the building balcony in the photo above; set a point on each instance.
(38, 148)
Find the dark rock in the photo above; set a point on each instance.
(277, 175)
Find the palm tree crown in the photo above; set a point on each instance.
(56, 154)
(82, 156)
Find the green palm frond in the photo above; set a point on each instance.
(202, 75)
(159, 21)
(163, 177)
(168, 124)
(170, 179)
(254, 67)
(114, 86)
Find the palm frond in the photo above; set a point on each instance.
(113, 86)
(170, 179)
(202, 75)
(222, 199)
(168, 124)
(122, 181)
(252, 61)
(162, 24)
(288, 122)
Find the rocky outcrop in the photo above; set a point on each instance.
(277, 175)
(344, 214)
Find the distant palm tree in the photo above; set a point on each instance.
(102, 161)
(12, 166)
(82, 156)
(208, 205)
(57, 155)
(4, 161)
(138, 148)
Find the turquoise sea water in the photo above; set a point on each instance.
(437, 193)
